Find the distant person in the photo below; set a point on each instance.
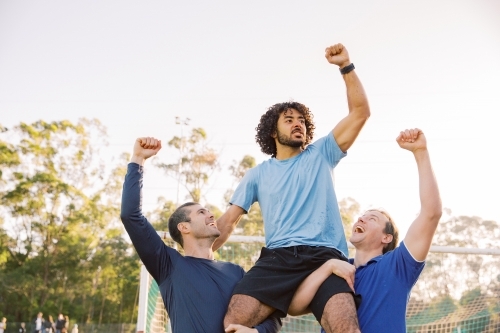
(49, 325)
(302, 223)
(38, 323)
(384, 272)
(74, 329)
(22, 329)
(3, 325)
(60, 323)
(66, 324)
(195, 288)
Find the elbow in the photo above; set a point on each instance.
(361, 114)
(125, 214)
(365, 112)
(435, 214)
(124, 217)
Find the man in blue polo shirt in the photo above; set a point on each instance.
(384, 274)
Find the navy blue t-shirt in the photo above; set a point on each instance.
(195, 291)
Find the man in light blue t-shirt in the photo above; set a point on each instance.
(302, 223)
(384, 274)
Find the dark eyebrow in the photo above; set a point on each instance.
(290, 116)
(202, 210)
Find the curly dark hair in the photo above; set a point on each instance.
(269, 122)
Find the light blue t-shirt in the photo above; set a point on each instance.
(297, 198)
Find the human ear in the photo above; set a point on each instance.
(183, 227)
(387, 238)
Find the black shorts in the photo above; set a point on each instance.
(278, 273)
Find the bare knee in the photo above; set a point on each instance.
(246, 310)
(340, 315)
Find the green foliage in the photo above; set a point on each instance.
(349, 210)
(63, 250)
(196, 163)
(238, 170)
(434, 311)
(159, 217)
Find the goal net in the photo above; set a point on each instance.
(458, 291)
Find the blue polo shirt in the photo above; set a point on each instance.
(385, 283)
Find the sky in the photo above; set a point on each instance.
(135, 66)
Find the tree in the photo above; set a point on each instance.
(197, 162)
(476, 271)
(349, 210)
(60, 207)
(159, 217)
(250, 224)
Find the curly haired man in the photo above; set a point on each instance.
(303, 228)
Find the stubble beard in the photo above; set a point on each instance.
(287, 141)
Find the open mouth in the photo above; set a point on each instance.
(359, 229)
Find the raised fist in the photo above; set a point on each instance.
(412, 139)
(146, 147)
(337, 55)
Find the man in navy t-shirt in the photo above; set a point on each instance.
(195, 288)
(382, 273)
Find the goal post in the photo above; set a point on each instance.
(458, 290)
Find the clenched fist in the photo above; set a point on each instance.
(412, 140)
(144, 148)
(337, 55)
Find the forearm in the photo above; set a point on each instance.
(226, 225)
(308, 288)
(430, 199)
(348, 129)
(357, 100)
(419, 236)
(145, 239)
(270, 325)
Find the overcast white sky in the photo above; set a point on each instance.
(135, 65)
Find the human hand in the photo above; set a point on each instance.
(235, 328)
(412, 140)
(344, 270)
(337, 55)
(144, 148)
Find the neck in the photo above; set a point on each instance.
(201, 248)
(286, 152)
(363, 256)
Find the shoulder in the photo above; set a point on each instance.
(324, 140)
(231, 267)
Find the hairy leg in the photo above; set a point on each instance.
(339, 315)
(246, 310)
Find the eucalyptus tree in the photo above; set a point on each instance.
(59, 203)
(196, 163)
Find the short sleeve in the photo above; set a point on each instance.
(246, 192)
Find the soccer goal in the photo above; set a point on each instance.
(458, 291)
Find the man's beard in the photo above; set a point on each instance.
(287, 141)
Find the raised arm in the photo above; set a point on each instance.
(144, 238)
(419, 236)
(347, 130)
(308, 288)
(226, 224)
